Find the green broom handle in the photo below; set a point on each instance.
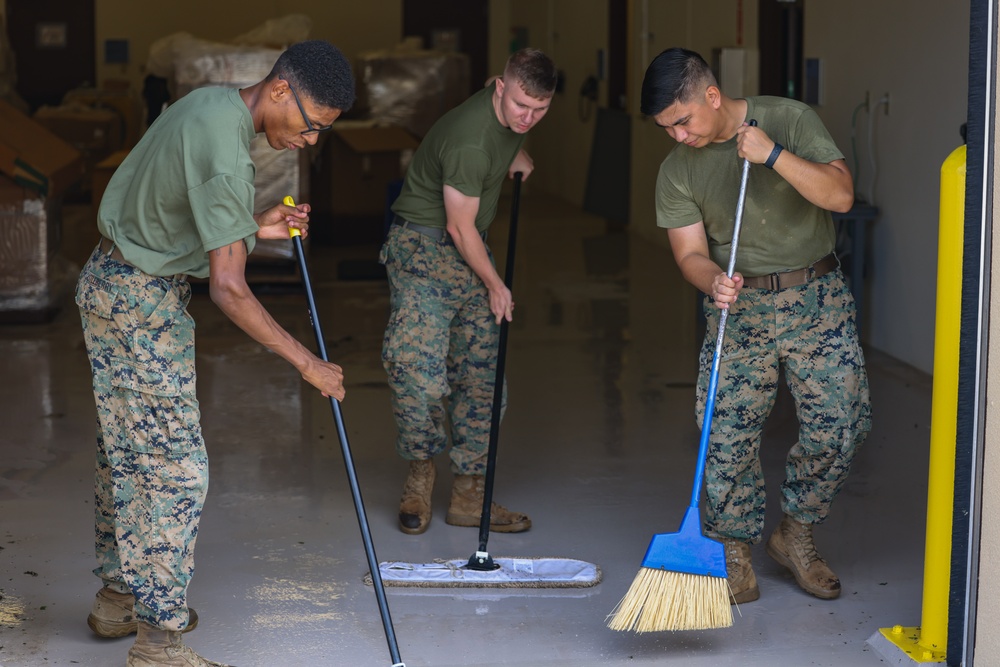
(713, 379)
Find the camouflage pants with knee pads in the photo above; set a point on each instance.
(152, 467)
(439, 351)
(810, 333)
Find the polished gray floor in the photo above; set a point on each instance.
(598, 447)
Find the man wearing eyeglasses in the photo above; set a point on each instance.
(447, 300)
(181, 204)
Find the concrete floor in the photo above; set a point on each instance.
(598, 447)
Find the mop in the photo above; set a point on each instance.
(359, 506)
(682, 583)
(481, 570)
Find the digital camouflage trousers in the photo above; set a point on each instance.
(152, 468)
(809, 332)
(439, 351)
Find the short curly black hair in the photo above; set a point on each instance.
(319, 71)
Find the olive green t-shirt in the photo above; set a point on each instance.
(781, 230)
(469, 150)
(186, 188)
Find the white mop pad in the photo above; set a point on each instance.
(512, 573)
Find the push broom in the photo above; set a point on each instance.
(352, 477)
(482, 570)
(682, 583)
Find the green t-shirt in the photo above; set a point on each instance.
(186, 188)
(469, 150)
(781, 230)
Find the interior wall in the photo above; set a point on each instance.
(353, 27)
(924, 70)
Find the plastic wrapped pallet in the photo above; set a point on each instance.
(411, 88)
(32, 274)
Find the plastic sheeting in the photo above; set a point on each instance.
(411, 88)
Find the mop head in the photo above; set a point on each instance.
(511, 573)
(661, 600)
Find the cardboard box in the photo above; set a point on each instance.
(359, 160)
(123, 102)
(34, 157)
(357, 163)
(96, 133)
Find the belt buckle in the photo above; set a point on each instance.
(774, 282)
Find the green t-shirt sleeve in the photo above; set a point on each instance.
(466, 169)
(675, 204)
(219, 208)
(809, 139)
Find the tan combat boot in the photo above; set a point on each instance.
(466, 508)
(791, 544)
(739, 572)
(415, 505)
(163, 648)
(112, 614)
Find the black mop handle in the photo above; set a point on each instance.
(491, 456)
(345, 448)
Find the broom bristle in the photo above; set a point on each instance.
(661, 600)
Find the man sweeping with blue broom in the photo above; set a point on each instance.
(787, 302)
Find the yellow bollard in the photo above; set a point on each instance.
(929, 642)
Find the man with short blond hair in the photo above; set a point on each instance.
(447, 300)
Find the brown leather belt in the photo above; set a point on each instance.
(779, 281)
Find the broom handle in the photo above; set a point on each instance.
(345, 448)
(713, 378)
(491, 456)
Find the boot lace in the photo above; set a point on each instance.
(803, 544)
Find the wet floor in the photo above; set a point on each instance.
(598, 447)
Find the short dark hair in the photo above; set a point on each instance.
(534, 70)
(676, 75)
(318, 70)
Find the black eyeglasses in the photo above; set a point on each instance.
(312, 130)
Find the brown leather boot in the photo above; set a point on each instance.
(791, 544)
(162, 648)
(739, 572)
(112, 614)
(415, 505)
(466, 508)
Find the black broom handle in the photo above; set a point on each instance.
(491, 456)
(345, 448)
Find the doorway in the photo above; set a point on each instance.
(53, 44)
(458, 25)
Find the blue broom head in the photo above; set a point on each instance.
(687, 550)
